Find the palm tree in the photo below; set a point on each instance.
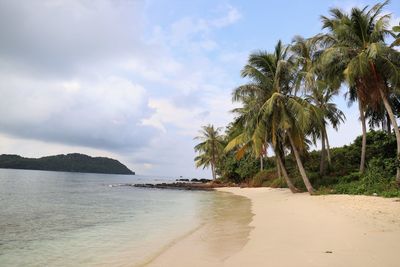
(247, 133)
(288, 115)
(356, 50)
(261, 70)
(210, 148)
(320, 93)
(252, 96)
(322, 97)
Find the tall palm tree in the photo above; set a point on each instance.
(318, 92)
(252, 96)
(356, 49)
(288, 115)
(261, 69)
(210, 148)
(322, 97)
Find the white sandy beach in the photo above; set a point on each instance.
(301, 230)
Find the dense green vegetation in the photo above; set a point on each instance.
(68, 163)
(287, 104)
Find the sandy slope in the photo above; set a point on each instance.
(302, 230)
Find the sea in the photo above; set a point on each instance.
(84, 219)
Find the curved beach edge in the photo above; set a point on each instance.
(301, 230)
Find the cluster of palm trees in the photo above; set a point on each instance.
(288, 102)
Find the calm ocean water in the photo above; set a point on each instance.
(76, 219)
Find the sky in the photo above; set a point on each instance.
(136, 79)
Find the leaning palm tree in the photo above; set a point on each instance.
(210, 148)
(356, 49)
(256, 132)
(248, 133)
(318, 92)
(288, 115)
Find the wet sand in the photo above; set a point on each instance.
(297, 230)
(225, 231)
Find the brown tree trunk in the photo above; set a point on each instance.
(306, 181)
(289, 183)
(261, 163)
(323, 153)
(364, 137)
(328, 148)
(278, 167)
(389, 130)
(393, 121)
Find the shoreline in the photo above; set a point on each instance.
(297, 229)
(220, 235)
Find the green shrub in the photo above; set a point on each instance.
(278, 183)
(351, 177)
(342, 176)
(263, 178)
(378, 180)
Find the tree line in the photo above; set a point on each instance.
(288, 100)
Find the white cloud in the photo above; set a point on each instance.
(104, 113)
(185, 119)
(192, 33)
(91, 81)
(231, 17)
(59, 38)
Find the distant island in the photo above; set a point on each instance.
(74, 162)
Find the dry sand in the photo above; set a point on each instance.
(301, 230)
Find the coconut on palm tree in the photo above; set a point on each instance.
(356, 50)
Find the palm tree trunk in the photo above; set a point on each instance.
(389, 130)
(261, 163)
(278, 167)
(328, 148)
(395, 127)
(213, 170)
(306, 181)
(364, 137)
(323, 153)
(289, 183)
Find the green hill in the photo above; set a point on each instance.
(68, 163)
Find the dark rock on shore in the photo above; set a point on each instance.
(202, 180)
(203, 186)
